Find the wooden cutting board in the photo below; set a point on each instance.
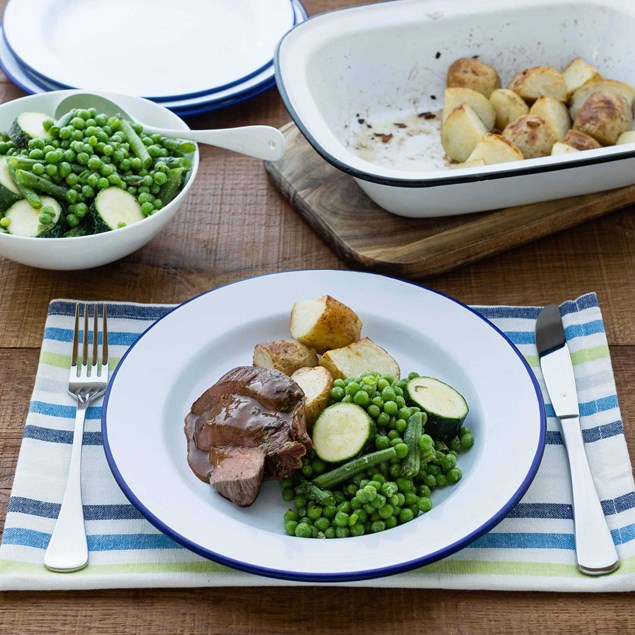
(367, 237)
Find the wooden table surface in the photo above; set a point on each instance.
(235, 224)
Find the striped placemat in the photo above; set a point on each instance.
(532, 548)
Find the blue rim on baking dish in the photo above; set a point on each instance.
(174, 501)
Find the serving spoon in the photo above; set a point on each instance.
(261, 142)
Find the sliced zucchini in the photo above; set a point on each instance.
(9, 192)
(445, 407)
(25, 221)
(27, 126)
(114, 208)
(341, 432)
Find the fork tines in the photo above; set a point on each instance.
(90, 362)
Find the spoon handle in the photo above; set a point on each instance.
(262, 142)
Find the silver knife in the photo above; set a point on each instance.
(595, 550)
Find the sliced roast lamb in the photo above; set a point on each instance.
(248, 426)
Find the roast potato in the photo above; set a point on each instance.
(284, 355)
(467, 72)
(606, 86)
(324, 323)
(626, 137)
(461, 132)
(577, 73)
(580, 140)
(555, 114)
(539, 81)
(508, 106)
(531, 135)
(562, 148)
(316, 383)
(456, 96)
(604, 116)
(494, 148)
(360, 357)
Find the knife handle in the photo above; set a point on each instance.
(595, 550)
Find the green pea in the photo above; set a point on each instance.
(303, 530)
(341, 519)
(377, 526)
(45, 219)
(467, 440)
(352, 388)
(290, 527)
(72, 220)
(426, 442)
(337, 392)
(329, 511)
(390, 407)
(361, 398)
(322, 524)
(5, 222)
(38, 169)
(405, 515)
(36, 154)
(383, 419)
(405, 485)
(373, 410)
(288, 494)
(454, 475)
(388, 394)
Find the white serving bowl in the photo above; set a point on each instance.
(387, 61)
(84, 252)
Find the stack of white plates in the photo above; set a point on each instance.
(191, 56)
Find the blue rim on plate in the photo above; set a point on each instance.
(36, 75)
(335, 577)
(31, 85)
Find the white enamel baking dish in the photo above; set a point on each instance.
(390, 59)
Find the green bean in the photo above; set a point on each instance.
(136, 145)
(39, 183)
(412, 435)
(29, 194)
(355, 466)
(170, 189)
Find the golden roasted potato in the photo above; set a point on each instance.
(360, 357)
(508, 106)
(457, 96)
(580, 140)
(577, 73)
(626, 137)
(461, 132)
(284, 355)
(604, 116)
(324, 323)
(316, 383)
(562, 148)
(606, 86)
(531, 135)
(555, 114)
(468, 72)
(539, 81)
(494, 148)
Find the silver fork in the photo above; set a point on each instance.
(68, 549)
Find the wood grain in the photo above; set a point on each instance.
(366, 236)
(235, 224)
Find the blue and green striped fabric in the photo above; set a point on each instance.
(532, 548)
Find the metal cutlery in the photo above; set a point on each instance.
(68, 549)
(595, 550)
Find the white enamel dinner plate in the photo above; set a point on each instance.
(189, 349)
(155, 48)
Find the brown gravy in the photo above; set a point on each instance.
(197, 459)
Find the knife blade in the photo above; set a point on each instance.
(595, 550)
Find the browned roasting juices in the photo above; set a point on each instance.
(248, 426)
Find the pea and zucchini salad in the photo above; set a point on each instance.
(85, 173)
(380, 448)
